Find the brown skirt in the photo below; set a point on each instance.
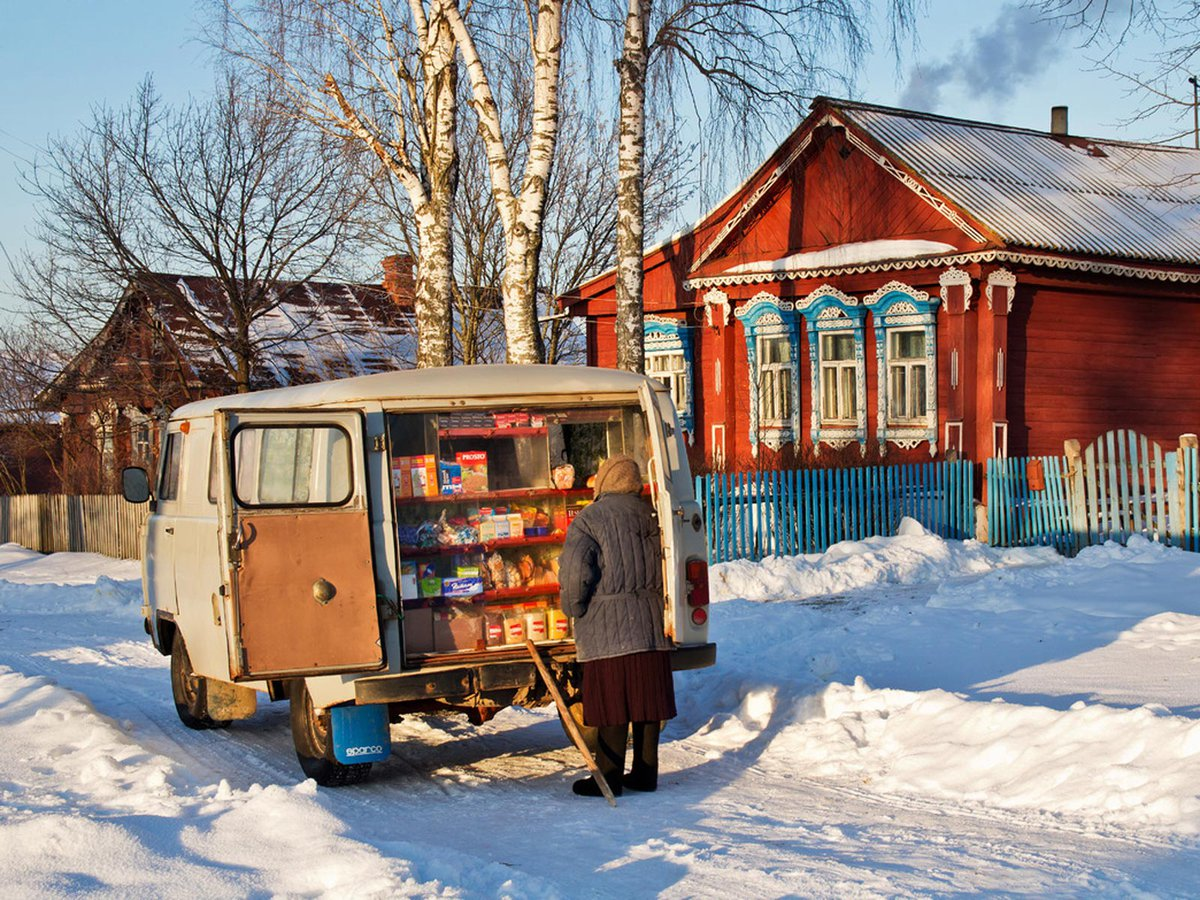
(633, 688)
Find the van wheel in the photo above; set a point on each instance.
(314, 743)
(190, 690)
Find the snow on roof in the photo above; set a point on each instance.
(1052, 192)
(845, 255)
(317, 330)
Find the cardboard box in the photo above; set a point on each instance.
(430, 587)
(402, 476)
(457, 629)
(462, 587)
(424, 475)
(487, 530)
(408, 581)
(418, 629)
(516, 525)
(474, 467)
(450, 478)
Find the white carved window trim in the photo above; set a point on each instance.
(666, 339)
(829, 311)
(767, 316)
(898, 307)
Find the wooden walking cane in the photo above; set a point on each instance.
(569, 722)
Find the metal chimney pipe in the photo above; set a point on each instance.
(1058, 120)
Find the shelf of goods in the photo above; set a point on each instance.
(484, 547)
(512, 494)
(493, 432)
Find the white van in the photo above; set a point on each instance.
(382, 545)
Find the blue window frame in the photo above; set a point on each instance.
(906, 354)
(773, 369)
(834, 329)
(668, 351)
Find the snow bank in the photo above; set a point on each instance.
(913, 556)
(67, 582)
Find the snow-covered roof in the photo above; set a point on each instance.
(1045, 191)
(845, 255)
(315, 331)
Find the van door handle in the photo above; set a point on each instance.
(169, 529)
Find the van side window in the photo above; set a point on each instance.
(212, 471)
(292, 465)
(168, 486)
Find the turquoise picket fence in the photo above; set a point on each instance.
(752, 515)
(1024, 515)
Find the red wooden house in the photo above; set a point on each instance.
(154, 354)
(914, 284)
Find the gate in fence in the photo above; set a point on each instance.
(751, 515)
(1120, 485)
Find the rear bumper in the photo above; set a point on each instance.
(464, 681)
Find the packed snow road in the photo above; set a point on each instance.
(897, 717)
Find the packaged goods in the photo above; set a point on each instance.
(461, 587)
(417, 475)
(474, 470)
(427, 570)
(514, 628)
(493, 628)
(487, 529)
(516, 526)
(563, 477)
(558, 625)
(402, 476)
(496, 571)
(408, 581)
(430, 587)
(450, 478)
(535, 624)
(418, 628)
(467, 572)
(501, 525)
(512, 420)
(408, 535)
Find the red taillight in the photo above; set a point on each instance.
(699, 615)
(697, 585)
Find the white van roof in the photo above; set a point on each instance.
(442, 384)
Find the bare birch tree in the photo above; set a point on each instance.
(224, 189)
(521, 211)
(753, 58)
(384, 77)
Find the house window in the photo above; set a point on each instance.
(905, 322)
(668, 344)
(774, 381)
(839, 374)
(834, 327)
(907, 369)
(772, 334)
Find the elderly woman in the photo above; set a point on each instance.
(611, 584)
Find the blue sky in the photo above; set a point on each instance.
(979, 60)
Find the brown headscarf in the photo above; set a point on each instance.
(618, 475)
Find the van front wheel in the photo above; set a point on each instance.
(313, 738)
(190, 690)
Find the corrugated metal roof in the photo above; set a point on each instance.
(1059, 193)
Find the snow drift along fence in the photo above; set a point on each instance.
(751, 515)
(1121, 485)
(53, 523)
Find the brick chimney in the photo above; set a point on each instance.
(398, 279)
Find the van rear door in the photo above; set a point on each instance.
(296, 539)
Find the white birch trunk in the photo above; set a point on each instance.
(631, 153)
(521, 216)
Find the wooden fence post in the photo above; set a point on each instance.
(1188, 443)
(1076, 494)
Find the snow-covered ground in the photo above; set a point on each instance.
(900, 716)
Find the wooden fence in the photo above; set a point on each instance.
(52, 523)
(1120, 485)
(751, 515)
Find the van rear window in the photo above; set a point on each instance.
(292, 465)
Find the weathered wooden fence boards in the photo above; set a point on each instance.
(751, 515)
(53, 523)
(1120, 485)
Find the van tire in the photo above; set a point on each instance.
(190, 690)
(313, 740)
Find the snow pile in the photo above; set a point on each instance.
(913, 556)
(67, 582)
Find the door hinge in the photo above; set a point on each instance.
(379, 443)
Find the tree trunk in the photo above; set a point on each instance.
(519, 296)
(631, 155)
(432, 292)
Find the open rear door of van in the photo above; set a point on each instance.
(296, 541)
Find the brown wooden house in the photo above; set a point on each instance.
(153, 355)
(912, 284)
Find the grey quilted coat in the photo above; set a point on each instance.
(610, 574)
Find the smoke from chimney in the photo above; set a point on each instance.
(993, 63)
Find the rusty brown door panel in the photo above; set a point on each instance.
(285, 627)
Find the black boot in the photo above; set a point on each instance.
(643, 776)
(610, 760)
